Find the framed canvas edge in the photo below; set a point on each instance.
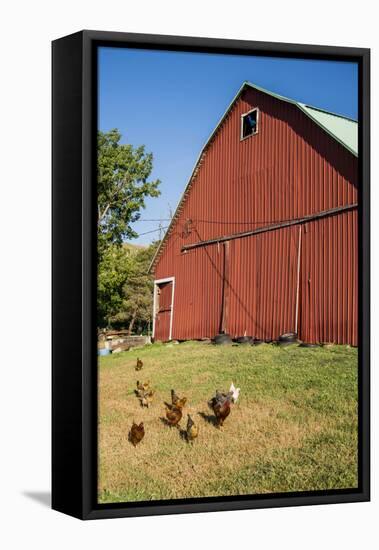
(67, 364)
(86, 506)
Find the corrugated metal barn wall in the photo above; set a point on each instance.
(290, 169)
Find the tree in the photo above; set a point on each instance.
(136, 309)
(113, 270)
(123, 173)
(125, 289)
(138, 290)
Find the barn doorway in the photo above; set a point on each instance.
(163, 309)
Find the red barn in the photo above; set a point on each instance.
(264, 239)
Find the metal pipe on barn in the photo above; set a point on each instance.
(225, 289)
(298, 282)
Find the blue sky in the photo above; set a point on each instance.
(171, 102)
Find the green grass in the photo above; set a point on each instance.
(294, 427)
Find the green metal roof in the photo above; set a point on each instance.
(341, 128)
(344, 130)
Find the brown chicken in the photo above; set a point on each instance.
(137, 433)
(192, 430)
(142, 388)
(177, 401)
(179, 404)
(173, 414)
(220, 405)
(139, 364)
(174, 397)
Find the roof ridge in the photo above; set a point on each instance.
(328, 112)
(296, 102)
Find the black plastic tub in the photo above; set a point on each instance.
(257, 342)
(288, 337)
(223, 339)
(245, 340)
(284, 343)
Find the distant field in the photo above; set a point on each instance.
(293, 429)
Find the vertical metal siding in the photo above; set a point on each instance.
(262, 284)
(329, 282)
(291, 168)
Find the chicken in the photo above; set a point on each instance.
(174, 397)
(179, 404)
(173, 414)
(220, 395)
(192, 430)
(176, 400)
(149, 397)
(137, 433)
(146, 398)
(220, 405)
(142, 388)
(139, 364)
(144, 393)
(235, 391)
(174, 410)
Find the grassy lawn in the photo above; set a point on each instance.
(294, 427)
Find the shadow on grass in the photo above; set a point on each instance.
(167, 423)
(210, 418)
(183, 435)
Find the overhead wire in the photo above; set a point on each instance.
(237, 222)
(152, 231)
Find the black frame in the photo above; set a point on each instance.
(74, 368)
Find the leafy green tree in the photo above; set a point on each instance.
(113, 270)
(125, 289)
(138, 290)
(123, 174)
(136, 309)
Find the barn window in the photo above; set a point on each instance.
(249, 124)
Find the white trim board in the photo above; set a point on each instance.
(157, 282)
